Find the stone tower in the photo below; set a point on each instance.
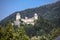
(18, 17)
(17, 21)
(35, 16)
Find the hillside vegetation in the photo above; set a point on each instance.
(47, 27)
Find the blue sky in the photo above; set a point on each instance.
(7, 7)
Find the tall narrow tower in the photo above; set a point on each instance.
(18, 17)
(35, 16)
(17, 22)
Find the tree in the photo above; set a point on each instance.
(9, 32)
(54, 33)
(21, 34)
(2, 32)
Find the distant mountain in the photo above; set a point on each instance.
(50, 12)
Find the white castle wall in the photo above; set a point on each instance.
(26, 20)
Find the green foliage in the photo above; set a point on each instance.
(29, 30)
(54, 33)
(8, 33)
(42, 28)
(21, 34)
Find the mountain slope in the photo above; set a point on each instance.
(50, 12)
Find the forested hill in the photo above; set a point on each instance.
(50, 12)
